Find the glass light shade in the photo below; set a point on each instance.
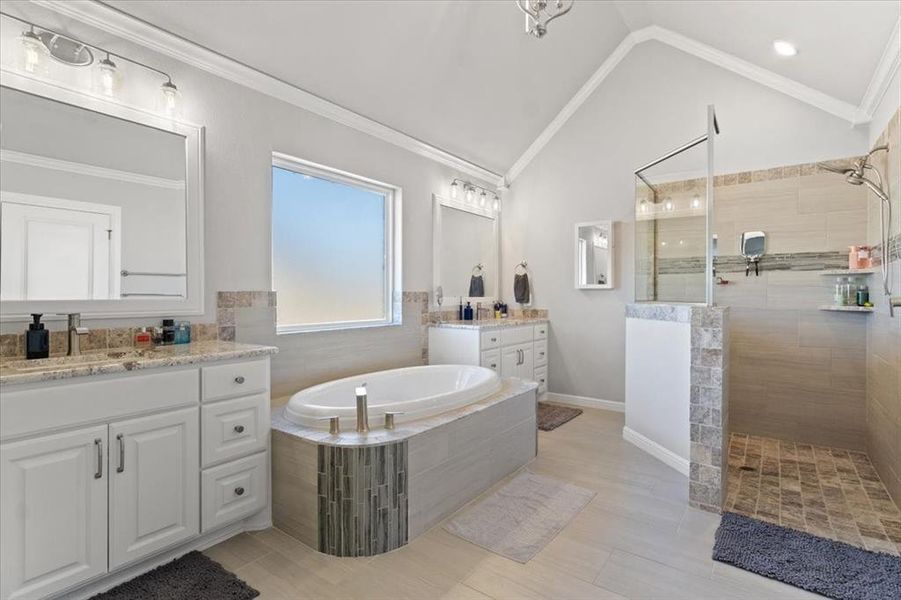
(497, 203)
(107, 78)
(668, 204)
(453, 190)
(34, 53)
(696, 201)
(169, 99)
(483, 198)
(470, 193)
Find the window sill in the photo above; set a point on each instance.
(300, 329)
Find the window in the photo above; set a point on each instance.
(335, 248)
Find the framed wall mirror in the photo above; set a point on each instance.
(101, 207)
(594, 248)
(465, 254)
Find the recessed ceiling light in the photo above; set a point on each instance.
(784, 48)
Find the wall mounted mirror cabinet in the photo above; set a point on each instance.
(465, 252)
(101, 208)
(594, 247)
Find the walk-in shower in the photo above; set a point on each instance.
(674, 242)
(857, 175)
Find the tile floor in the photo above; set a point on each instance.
(829, 492)
(636, 539)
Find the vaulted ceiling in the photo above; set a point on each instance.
(464, 77)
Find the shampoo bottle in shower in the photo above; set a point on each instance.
(37, 339)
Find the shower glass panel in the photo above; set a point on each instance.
(673, 209)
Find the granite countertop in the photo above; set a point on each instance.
(379, 435)
(490, 323)
(18, 371)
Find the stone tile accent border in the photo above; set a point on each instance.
(795, 261)
(709, 408)
(362, 499)
(829, 492)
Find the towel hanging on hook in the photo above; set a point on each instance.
(521, 286)
(476, 283)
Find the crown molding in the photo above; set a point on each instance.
(839, 108)
(77, 168)
(110, 20)
(882, 76)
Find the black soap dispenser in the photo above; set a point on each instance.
(467, 312)
(37, 339)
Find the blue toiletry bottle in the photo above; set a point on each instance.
(467, 312)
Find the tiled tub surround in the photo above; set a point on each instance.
(708, 410)
(883, 344)
(825, 491)
(450, 458)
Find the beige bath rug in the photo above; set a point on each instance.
(520, 518)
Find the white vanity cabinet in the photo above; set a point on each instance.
(511, 350)
(127, 471)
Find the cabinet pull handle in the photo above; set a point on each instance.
(239, 379)
(239, 429)
(98, 443)
(120, 439)
(239, 491)
(493, 365)
(494, 339)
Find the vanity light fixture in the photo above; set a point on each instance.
(469, 193)
(453, 189)
(483, 198)
(784, 48)
(538, 14)
(72, 52)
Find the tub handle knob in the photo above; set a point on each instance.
(334, 424)
(389, 419)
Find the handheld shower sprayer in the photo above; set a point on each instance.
(856, 175)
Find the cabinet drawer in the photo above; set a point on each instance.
(541, 378)
(516, 335)
(233, 428)
(234, 490)
(540, 353)
(235, 379)
(491, 339)
(541, 331)
(492, 360)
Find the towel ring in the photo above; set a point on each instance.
(477, 270)
(524, 266)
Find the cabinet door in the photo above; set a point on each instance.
(53, 510)
(154, 484)
(527, 362)
(510, 361)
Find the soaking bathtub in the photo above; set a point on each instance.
(417, 392)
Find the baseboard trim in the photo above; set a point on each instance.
(668, 457)
(585, 402)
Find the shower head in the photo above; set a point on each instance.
(854, 179)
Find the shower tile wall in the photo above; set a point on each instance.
(883, 402)
(796, 372)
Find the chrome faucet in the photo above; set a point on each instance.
(362, 409)
(75, 332)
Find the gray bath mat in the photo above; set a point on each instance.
(552, 416)
(833, 569)
(519, 519)
(191, 577)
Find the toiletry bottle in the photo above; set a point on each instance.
(37, 339)
(143, 339)
(168, 331)
(467, 312)
(182, 333)
(497, 310)
(863, 294)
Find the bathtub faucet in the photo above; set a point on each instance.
(362, 409)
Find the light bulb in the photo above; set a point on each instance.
(696, 201)
(34, 52)
(483, 198)
(643, 207)
(663, 243)
(668, 204)
(497, 203)
(453, 190)
(107, 77)
(169, 99)
(470, 193)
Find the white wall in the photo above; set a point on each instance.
(886, 108)
(654, 101)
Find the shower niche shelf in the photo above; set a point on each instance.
(854, 309)
(840, 272)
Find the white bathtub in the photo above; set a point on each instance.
(418, 392)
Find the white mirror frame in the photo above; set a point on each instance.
(608, 225)
(192, 303)
(449, 302)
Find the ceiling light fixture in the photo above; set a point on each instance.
(538, 15)
(72, 52)
(784, 48)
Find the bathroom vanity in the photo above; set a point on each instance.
(112, 464)
(512, 347)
